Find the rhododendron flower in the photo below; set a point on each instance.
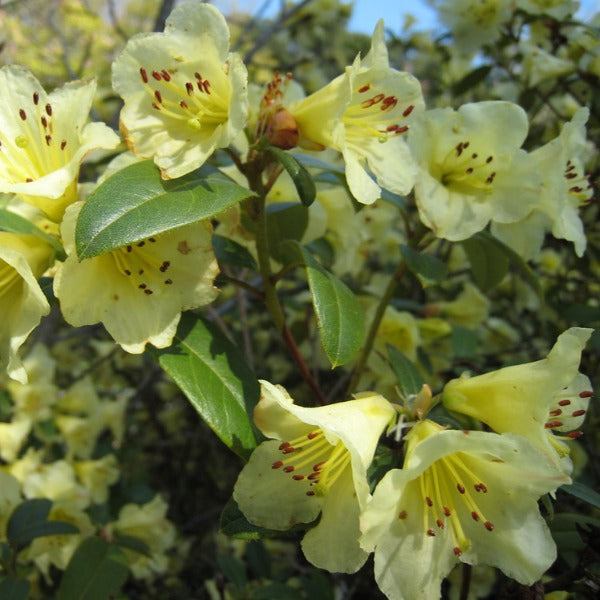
(465, 159)
(531, 399)
(137, 291)
(558, 187)
(316, 463)
(44, 138)
(466, 496)
(23, 258)
(363, 114)
(184, 94)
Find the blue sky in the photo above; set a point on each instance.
(367, 12)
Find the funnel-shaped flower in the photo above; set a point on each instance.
(363, 114)
(23, 258)
(466, 496)
(465, 159)
(184, 94)
(531, 399)
(44, 138)
(317, 463)
(137, 291)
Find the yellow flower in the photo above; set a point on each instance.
(363, 114)
(23, 258)
(316, 463)
(466, 496)
(185, 94)
(138, 291)
(44, 138)
(531, 399)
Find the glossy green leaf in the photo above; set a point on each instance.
(464, 342)
(471, 79)
(12, 588)
(305, 186)
(135, 203)
(28, 521)
(340, 317)
(96, 571)
(285, 221)
(231, 253)
(489, 264)
(408, 377)
(14, 223)
(427, 268)
(213, 375)
(583, 492)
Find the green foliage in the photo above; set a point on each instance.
(129, 205)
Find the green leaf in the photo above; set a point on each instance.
(305, 186)
(132, 543)
(489, 264)
(408, 377)
(96, 571)
(285, 221)
(427, 268)
(231, 253)
(233, 570)
(14, 223)
(471, 79)
(340, 317)
(28, 521)
(583, 492)
(12, 588)
(135, 203)
(213, 375)
(258, 559)
(464, 342)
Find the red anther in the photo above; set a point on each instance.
(465, 145)
(206, 86)
(48, 139)
(36, 98)
(314, 476)
(457, 551)
(440, 523)
(298, 477)
(402, 129)
(189, 88)
(63, 144)
(158, 96)
(44, 122)
(156, 75)
(575, 434)
(277, 464)
(284, 445)
(49, 110)
(554, 424)
(144, 75)
(165, 75)
(364, 88)
(389, 102)
(183, 104)
(402, 514)
(198, 76)
(555, 412)
(392, 128)
(312, 435)
(483, 487)
(408, 110)
(289, 468)
(310, 493)
(447, 511)
(431, 533)
(565, 402)
(571, 175)
(288, 450)
(429, 501)
(489, 525)
(586, 394)
(469, 170)
(578, 413)
(199, 86)
(475, 516)
(154, 105)
(22, 114)
(319, 465)
(460, 488)
(489, 159)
